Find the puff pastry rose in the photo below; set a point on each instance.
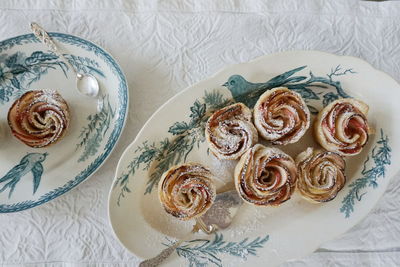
(39, 118)
(342, 126)
(187, 191)
(230, 131)
(265, 176)
(320, 174)
(281, 116)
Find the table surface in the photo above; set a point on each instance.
(165, 46)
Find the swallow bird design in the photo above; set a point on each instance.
(29, 163)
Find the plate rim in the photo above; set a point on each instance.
(86, 173)
(217, 73)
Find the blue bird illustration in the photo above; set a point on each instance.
(29, 163)
(248, 93)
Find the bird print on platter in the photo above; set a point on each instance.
(31, 163)
(244, 91)
(315, 90)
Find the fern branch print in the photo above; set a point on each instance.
(92, 134)
(19, 71)
(202, 252)
(380, 156)
(168, 152)
(158, 157)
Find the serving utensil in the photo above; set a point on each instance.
(218, 217)
(85, 83)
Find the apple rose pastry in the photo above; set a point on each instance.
(265, 176)
(342, 126)
(230, 131)
(281, 116)
(320, 174)
(39, 118)
(186, 191)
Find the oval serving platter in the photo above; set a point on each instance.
(175, 134)
(25, 64)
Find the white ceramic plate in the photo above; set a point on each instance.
(25, 64)
(175, 133)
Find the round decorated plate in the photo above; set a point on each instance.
(33, 176)
(175, 134)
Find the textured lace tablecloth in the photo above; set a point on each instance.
(165, 46)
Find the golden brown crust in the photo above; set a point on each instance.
(342, 126)
(186, 191)
(39, 118)
(320, 175)
(265, 176)
(230, 132)
(281, 116)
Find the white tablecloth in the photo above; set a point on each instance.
(165, 46)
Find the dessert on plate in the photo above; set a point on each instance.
(39, 118)
(342, 126)
(265, 176)
(281, 116)
(187, 191)
(320, 174)
(230, 132)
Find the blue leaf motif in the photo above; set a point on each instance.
(202, 252)
(24, 70)
(40, 56)
(305, 92)
(198, 110)
(92, 134)
(12, 60)
(2, 95)
(189, 134)
(215, 100)
(329, 98)
(18, 69)
(369, 179)
(16, 83)
(179, 128)
(8, 92)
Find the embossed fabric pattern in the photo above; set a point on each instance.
(165, 46)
